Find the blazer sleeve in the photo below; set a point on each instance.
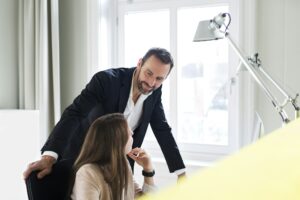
(75, 117)
(164, 137)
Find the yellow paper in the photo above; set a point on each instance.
(266, 170)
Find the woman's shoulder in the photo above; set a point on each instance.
(90, 170)
(90, 184)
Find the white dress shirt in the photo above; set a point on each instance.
(133, 112)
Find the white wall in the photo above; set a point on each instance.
(279, 47)
(8, 53)
(19, 145)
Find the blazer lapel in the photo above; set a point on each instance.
(125, 89)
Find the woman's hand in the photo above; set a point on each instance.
(141, 157)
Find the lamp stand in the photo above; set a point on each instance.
(259, 80)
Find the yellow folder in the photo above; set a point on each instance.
(268, 169)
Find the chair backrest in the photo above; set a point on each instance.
(53, 186)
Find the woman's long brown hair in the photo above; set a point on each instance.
(104, 146)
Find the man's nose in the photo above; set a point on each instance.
(151, 81)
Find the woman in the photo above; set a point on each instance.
(102, 170)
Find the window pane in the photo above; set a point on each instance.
(202, 76)
(144, 30)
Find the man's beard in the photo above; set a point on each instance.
(141, 89)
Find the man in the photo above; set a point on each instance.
(136, 92)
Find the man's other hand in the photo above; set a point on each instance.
(181, 177)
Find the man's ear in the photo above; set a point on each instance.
(140, 63)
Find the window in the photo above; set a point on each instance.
(201, 77)
(196, 96)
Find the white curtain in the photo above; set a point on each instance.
(102, 35)
(108, 33)
(39, 72)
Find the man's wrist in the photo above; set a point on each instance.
(49, 159)
(51, 153)
(180, 171)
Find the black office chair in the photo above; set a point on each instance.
(54, 186)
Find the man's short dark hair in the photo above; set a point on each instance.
(162, 54)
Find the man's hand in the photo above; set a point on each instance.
(181, 177)
(44, 165)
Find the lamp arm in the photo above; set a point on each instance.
(256, 77)
(256, 62)
(283, 92)
(288, 97)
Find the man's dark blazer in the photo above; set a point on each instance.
(108, 92)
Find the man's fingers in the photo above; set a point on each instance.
(31, 167)
(41, 165)
(26, 173)
(43, 173)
